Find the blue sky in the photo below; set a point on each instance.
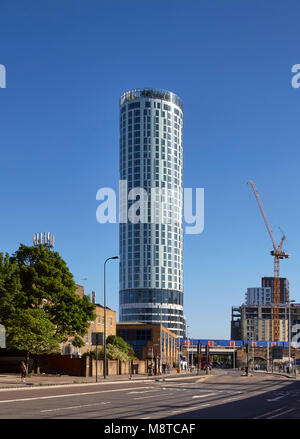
(67, 64)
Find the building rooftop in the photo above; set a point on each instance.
(153, 93)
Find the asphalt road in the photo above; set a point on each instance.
(224, 395)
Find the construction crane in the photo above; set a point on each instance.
(278, 254)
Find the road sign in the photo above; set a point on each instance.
(277, 352)
(2, 337)
(97, 338)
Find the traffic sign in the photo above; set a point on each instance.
(277, 352)
(97, 338)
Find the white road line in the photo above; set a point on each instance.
(192, 407)
(280, 414)
(277, 398)
(145, 391)
(74, 407)
(203, 396)
(57, 386)
(229, 399)
(153, 396)
(268, 413)
(67, 395)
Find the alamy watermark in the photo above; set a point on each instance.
(156, 206)
(2, 76)
(296, 78)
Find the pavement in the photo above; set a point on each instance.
(13, 381)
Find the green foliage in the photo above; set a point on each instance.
(32, 331)
(10, 289)
(38, 279)
(47, 282)
(77, 342)
(112, 353)
(119, 343)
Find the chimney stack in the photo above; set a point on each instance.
(93, 297)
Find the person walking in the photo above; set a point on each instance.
(23, 372)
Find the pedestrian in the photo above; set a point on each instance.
(23, 372)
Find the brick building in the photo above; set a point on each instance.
(96, 326)
(146, 338)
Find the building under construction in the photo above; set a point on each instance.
(278, 328)
(253, 320)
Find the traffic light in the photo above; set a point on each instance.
(247, 348)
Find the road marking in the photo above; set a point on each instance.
(68, 395)
(277, 398)
(82, 384)
(268, 413)
(74, 407)
(153, 396)
(230, 399)
(280, 414)
(203, 396)
(193, 407)
(145, 391)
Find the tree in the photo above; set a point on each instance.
(112, 353)
(32, 331)
(77, 342)
(10, 288)
(43, 281)
(119, 343)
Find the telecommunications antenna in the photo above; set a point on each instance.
(45, 239)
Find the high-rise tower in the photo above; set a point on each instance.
(151, 250)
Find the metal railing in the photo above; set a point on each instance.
(153, 93)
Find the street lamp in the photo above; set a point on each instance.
(289, 330)
(188, 347)
(160, 338)
(104, 342)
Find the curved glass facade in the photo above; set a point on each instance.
(151, 249)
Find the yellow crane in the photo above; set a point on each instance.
(278, 254)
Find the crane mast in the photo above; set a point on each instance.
(278, 254)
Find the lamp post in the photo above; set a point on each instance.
(289, 331)
(104, 341)
(188, 347)
(160, 338)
